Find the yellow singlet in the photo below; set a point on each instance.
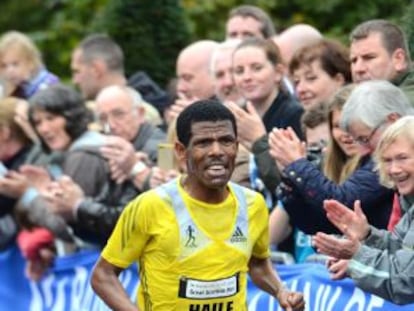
(193, 256)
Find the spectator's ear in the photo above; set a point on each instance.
(339, 78)
(399, 60)
(180, 152)
(99, 68)
(279, 73)
(392, 117)
(141, 112)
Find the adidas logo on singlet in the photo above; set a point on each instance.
(238, 236)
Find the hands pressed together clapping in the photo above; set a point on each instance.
(285, 147)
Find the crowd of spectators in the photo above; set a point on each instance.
(310, 113)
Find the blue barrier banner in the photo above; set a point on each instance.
(67, 287)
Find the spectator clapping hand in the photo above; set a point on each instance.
(335, 246)
(285, 146)
(180, 103)
(121, 157)
(38, 177)
(64, 196)
(14, 184)
(337, 268)
(353, 224)
(159, 176)
(250, 126)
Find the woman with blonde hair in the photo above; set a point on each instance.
(21, 66)
(342, 158)
(401, 133)
(382, 262)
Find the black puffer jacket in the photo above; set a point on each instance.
(97, 214)
(8, 225)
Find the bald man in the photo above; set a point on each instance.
(222, 72)
(193, 70)
(194, 81)
(294, 38)
(133, 141)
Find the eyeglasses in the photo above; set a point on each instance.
(365, 140)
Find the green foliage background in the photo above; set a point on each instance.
(153, 31)
(335, 18)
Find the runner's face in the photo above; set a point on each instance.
(211, 154)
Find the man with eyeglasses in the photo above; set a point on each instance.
(132, 145)
(130, 150)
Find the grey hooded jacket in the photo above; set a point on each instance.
(384, 264)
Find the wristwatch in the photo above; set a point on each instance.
(138, 168)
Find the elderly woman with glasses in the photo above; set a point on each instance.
(371, 107)
(381, 261)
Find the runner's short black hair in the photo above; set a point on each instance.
(202, 111)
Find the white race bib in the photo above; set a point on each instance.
(198, 289)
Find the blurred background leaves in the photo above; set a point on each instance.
(152, 32)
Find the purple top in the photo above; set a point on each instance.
(41, 81)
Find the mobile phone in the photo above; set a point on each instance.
(3, 169)
(165, 159)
